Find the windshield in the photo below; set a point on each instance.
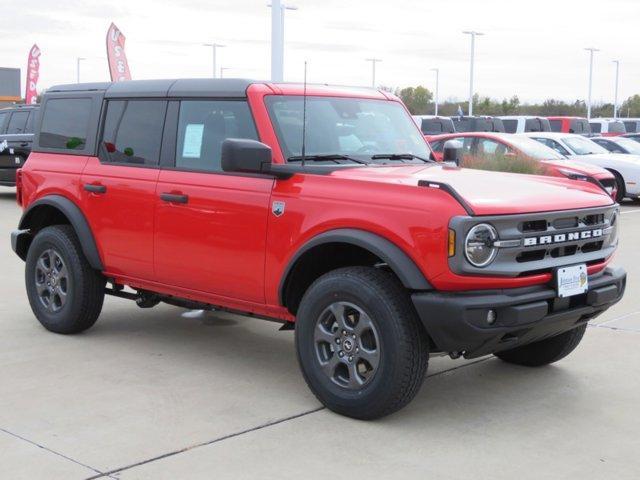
(534, 149)
(354, 127)
(583, 146)
(630, 145)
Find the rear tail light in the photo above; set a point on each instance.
(19, 186)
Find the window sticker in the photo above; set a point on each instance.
(193, 140)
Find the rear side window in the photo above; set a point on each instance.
(536, 125)
(31, 121)
(556, 125)
(18, 123)
(510, 126)
(614, 127)
(595, 128)
(133, 131)
(65, 123)
(582, 127)
(202, 127)
(3, 117)
(431, 126)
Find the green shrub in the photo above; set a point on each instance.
(504, 163)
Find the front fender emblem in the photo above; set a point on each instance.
(277, 208)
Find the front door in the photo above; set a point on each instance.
(211, 226)
(119, 187)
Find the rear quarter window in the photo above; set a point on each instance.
(510, 126)
(65, 123)
(18, 123)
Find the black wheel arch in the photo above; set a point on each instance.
(359, 242)
(52, 210)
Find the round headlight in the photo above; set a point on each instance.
(478, 246)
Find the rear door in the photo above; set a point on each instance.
(119, 186)
(211, 225)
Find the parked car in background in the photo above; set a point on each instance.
(625, 168)
(478, 124)
(607, 127)
(432, 125)
(623, 145)
(633, 136)
(519, 154)
(578, 125)
(16, 138)
(525, 123)
(631, 125)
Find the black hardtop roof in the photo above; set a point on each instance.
(20, 106)
(187, 87)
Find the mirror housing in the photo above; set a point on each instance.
(245, 156)
(452, 151)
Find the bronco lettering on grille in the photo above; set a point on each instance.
(562, 237)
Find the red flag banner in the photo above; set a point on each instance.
(33, 73)
(118, 65)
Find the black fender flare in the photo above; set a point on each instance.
(398, 261)
(77, 220)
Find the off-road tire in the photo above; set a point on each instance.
(545, 351)
(85, 286)
(403, 343)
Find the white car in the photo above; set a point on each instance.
(525, 123)
(607, 126)
(626, 168)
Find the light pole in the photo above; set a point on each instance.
(437, 70)
(214, 46)
(473, 48)
(591, 50)
(277, 38)
(78, 68)
(615, 95)
(373, 69)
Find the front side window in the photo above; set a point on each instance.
(133, 131)
(65, 123)
(582, 127)
(556, 125)
(18, 123)
(510, 125)
(595, 128)
(202, 127)
(355, 127)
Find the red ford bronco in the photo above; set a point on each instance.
(315, 206)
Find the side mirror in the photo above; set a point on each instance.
(245, 156)
(452, 151)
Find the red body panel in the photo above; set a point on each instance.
(225, 247)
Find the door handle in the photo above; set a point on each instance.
(24, 144)
(93, 188)
(174, 197)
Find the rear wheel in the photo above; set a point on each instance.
(545, 351)
(65, 293)
(360, 346)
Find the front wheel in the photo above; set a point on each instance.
(65, 293)
(360, 346)
(545, 351)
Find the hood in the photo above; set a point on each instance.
(491, 193)
(604, 157)
(577, 166)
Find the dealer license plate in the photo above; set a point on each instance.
(572, 280)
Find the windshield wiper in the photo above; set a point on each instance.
(320, 158)
(398, 156)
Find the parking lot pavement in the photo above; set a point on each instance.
(153, 394)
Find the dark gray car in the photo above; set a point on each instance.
(16, 137)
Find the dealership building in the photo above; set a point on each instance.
(9, 86)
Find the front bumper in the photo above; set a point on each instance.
(457, 321)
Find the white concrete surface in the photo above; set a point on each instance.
(220, 396)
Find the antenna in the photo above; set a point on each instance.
(304, 115)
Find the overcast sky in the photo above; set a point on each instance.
(533, 49)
